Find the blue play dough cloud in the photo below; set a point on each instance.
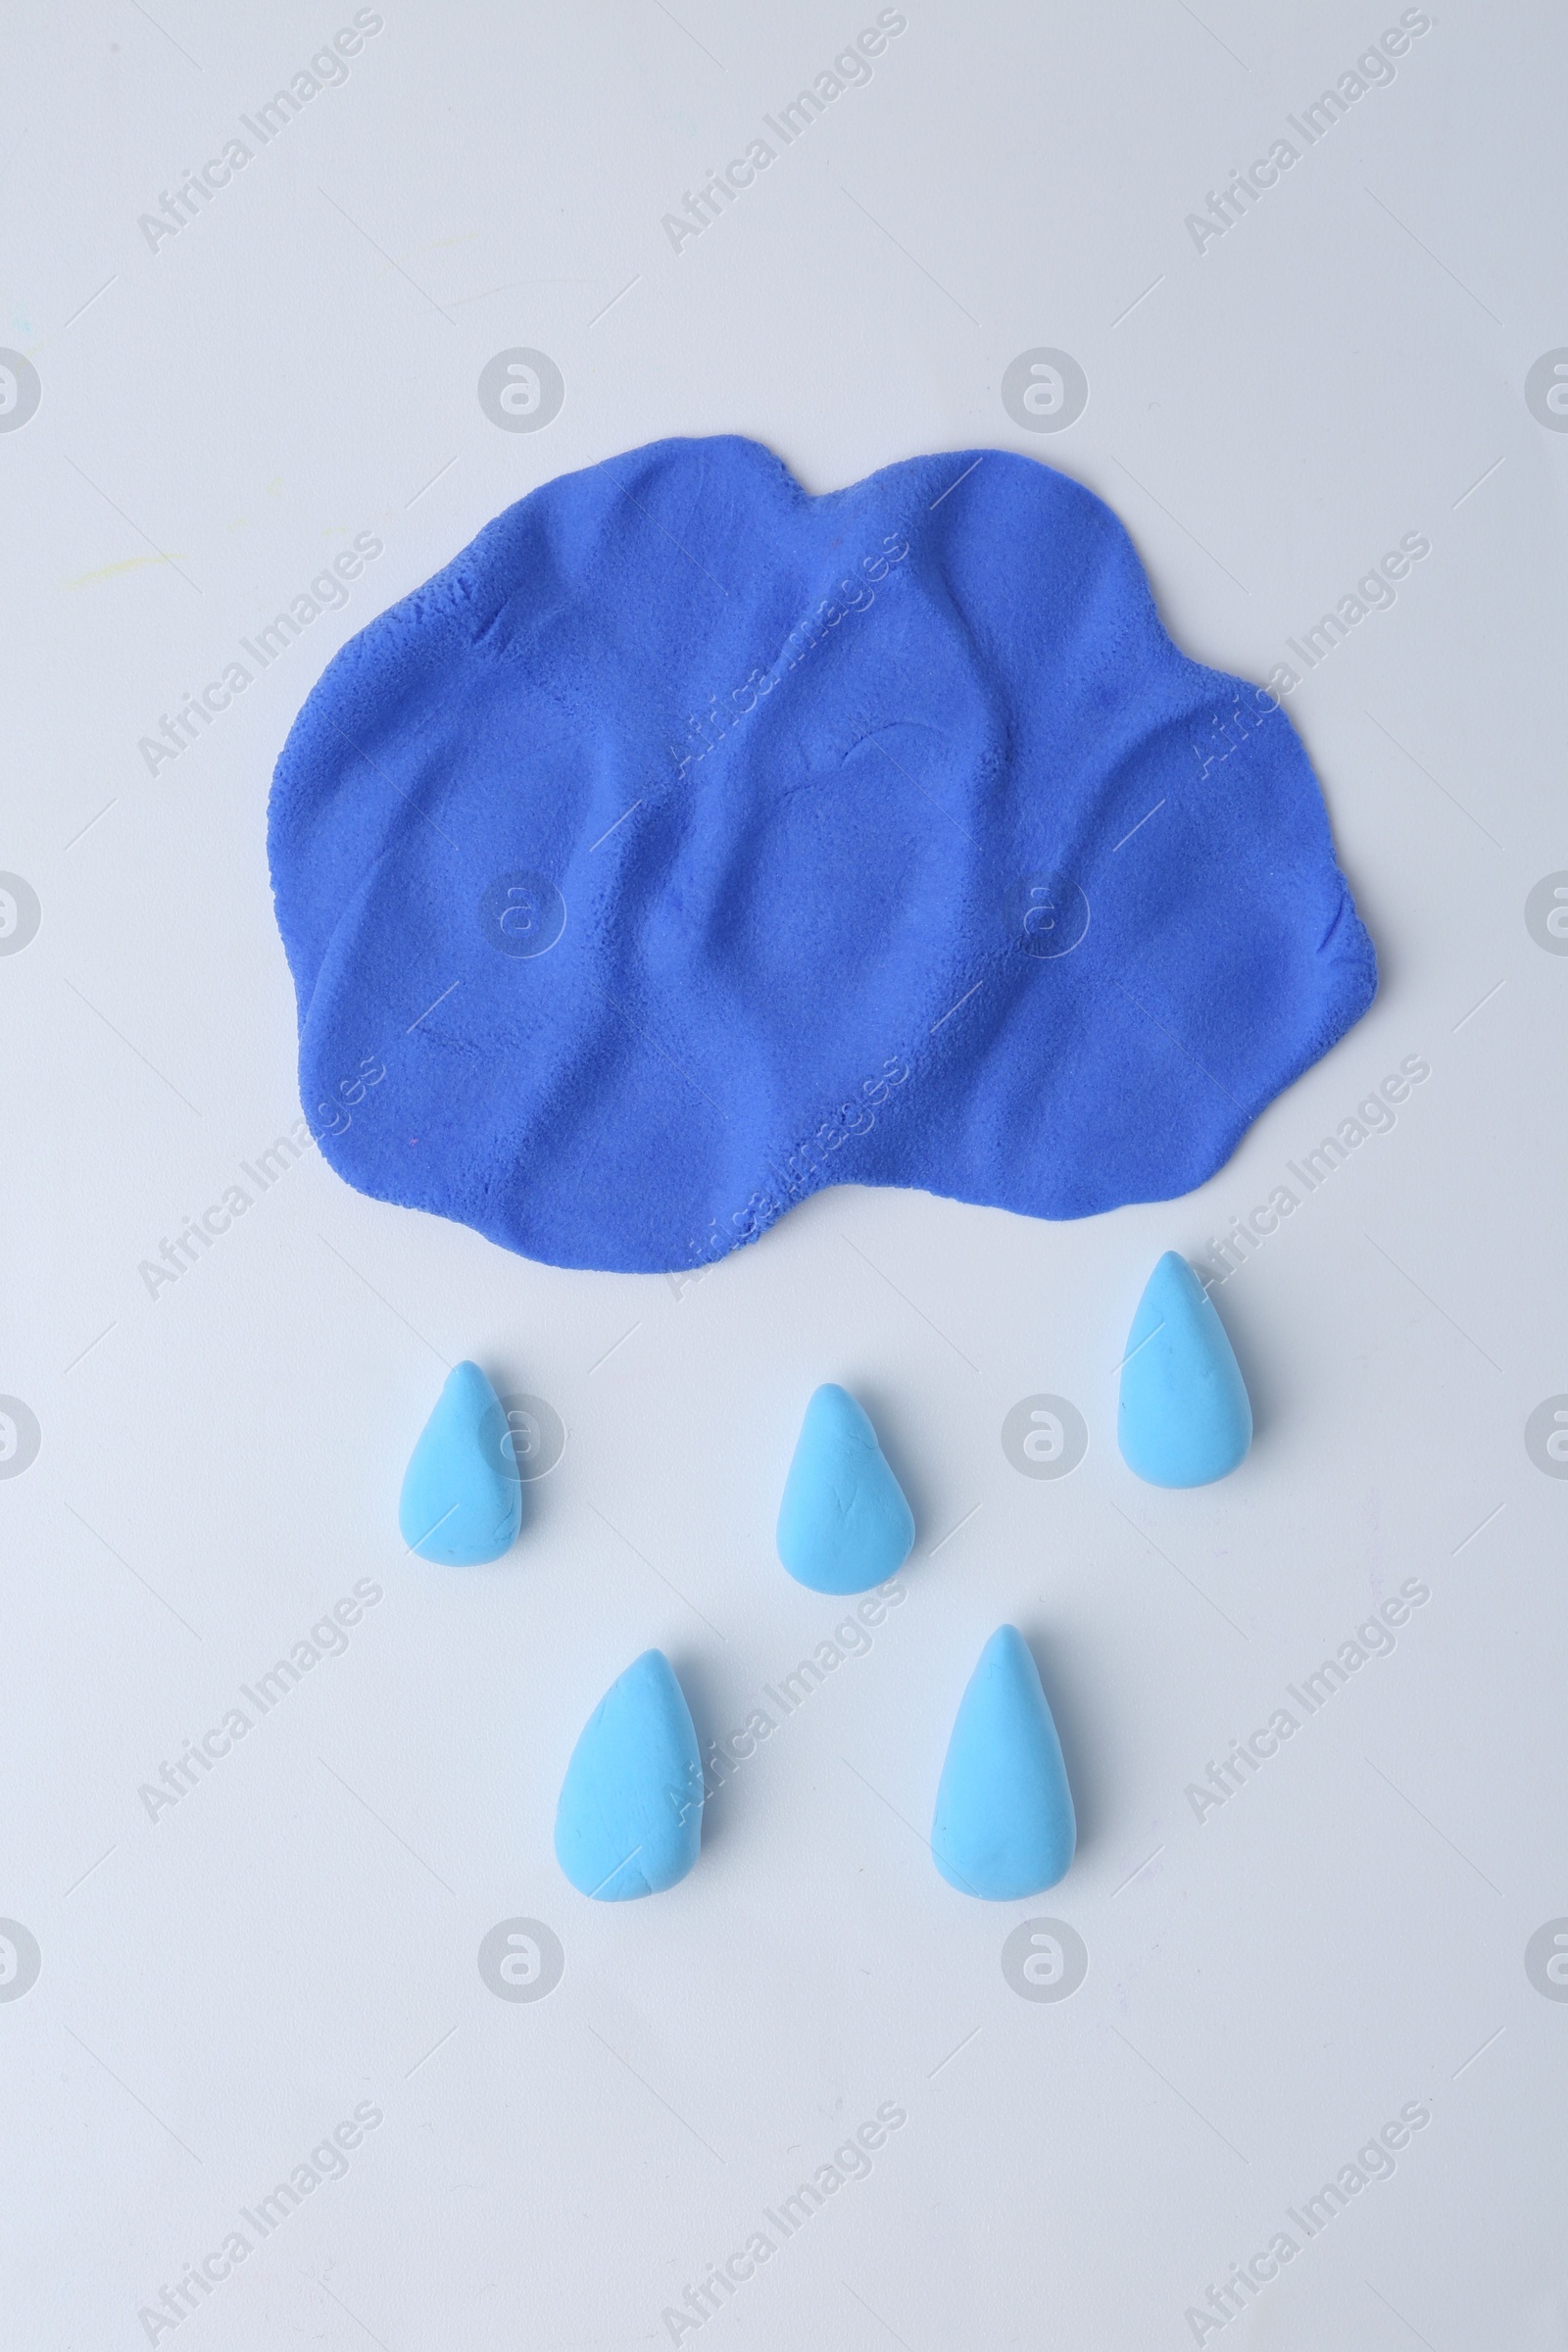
(844, 1523)
(1004, 1824)
(691, 843)
(630, 1816)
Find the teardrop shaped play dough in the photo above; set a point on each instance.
(460, 1505)
(1005, 1825)
(630, 1816)
(843, 1523)
(1185, 1418)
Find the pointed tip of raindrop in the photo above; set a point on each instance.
(1185, 1418)
(844, 1523)
(629, 1821)
(462, 1499)
(1007, 1650)
(1005, 1825)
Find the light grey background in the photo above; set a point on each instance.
(1267, 1986)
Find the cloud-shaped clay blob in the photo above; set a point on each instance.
(691, 843)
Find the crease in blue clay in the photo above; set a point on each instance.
(461, 1503)
(630, 1816)
(691, 843)
(843, 1523)
(1005, 1825)
(1185, 1418)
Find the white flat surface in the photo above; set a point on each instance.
(1267, 1986)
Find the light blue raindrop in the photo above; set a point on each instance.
(1185, 1418)
(1005, 1825)
(843, 1523)
(462, 1501)
(630, 1816)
